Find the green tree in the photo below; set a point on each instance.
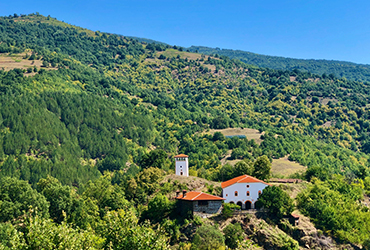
(148, 180)
(121, 230)
(276, 201)
(233, 235)
(262, 168)
(208, 237)
(43, 233)
(105, 195)
(158, 208)
(156, 158)
(45, 64)
(17, 197)
(218, 136)
(242, 167)
(60, 197)
(10, 237)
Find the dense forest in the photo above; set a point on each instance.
(88, 133)
(348, 70)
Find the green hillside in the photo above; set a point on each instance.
(349, 70)
(89, 127)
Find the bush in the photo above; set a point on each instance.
(277, 201)
(233, 235)
(228, 210)
(208, 237)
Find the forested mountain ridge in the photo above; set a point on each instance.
(349, 70)
(105, 113)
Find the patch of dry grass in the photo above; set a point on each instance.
(16, 61)
(182, 54)
(248, 132)
(284, 167)
(193, 183)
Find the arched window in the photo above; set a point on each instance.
(247, 193)
(259, 193)
(236, 193)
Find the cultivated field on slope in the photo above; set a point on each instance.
(17, 61)
(172, 53)
(248, 132)
(284, 167)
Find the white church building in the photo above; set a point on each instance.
(182, 165)
(243, 191)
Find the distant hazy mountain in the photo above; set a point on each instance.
(349, 70)
(146, 40)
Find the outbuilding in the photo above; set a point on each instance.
(200, 203)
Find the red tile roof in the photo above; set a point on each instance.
(199, 196)
(241, 179)
(181, 156)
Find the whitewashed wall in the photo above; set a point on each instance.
(229, 192)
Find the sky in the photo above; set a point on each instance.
(307, 29)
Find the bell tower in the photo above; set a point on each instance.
(182, 165)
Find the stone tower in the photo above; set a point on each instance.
(182, 165)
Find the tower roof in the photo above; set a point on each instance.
(242, 179)
(181, 156)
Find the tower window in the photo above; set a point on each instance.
(247, 193)
(236, 193)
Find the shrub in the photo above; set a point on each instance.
(208, 237)
(228, 210)
(233, 235)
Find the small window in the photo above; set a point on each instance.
(202, 203)
(247, 186)
(236, 193)
(180, 166)
(259, 193)
(247, 193)
(226, 195)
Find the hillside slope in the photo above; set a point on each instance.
(104, 114)
(179, 94)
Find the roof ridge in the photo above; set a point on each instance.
(241, 179)
(200, 192)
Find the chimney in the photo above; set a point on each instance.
(177, 193)
(183, 193)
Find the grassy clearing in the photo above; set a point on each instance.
(182, 54)
(325, 101)
(248, 132)
(284, 167)
(16, 61)
(192, 183)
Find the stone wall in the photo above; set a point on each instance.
(212, 207)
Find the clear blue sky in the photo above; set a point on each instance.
(318, 29)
